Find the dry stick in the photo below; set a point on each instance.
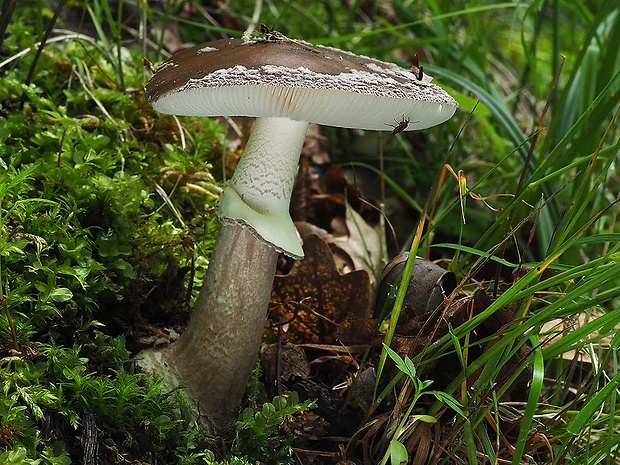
(62, 142)
(528, 160)
(387, 221)
(440, 177)
(279, 348)
(530, 239)
(539, 127)
(383, 219)
(8, 7)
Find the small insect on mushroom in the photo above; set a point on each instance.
(400, 126)
(416, 69)
(270, 35)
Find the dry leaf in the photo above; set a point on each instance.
(288, 358)
(363, 244)
(315, 297)
(428, 286)
(557, 328)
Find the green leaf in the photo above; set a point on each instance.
(450, 401)
(406, 367)
(247, 416)
(398, 453)
(536, 385)
(430, 419)
(14, 457)
(410, 367)
(279, 402)
(61, 294)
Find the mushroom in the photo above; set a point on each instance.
(286, 84)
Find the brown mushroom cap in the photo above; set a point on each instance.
(296, 80)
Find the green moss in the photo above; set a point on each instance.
(86, 238)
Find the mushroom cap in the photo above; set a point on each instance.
(293, 79)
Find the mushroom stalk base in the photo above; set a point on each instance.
(215, 355)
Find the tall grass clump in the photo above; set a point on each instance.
(532, 220)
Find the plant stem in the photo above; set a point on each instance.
(9, 319)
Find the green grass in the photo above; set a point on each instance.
(102, 224)
(563, 182)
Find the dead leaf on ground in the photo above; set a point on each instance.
(559, 328)
(362, 244)
(428, 286)
(307, 187)
(315, 297)
(288, 359)
(315, 147)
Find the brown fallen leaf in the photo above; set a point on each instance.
(360, 331)
(316, 147)
(415, 333)
(362, 244)
(283, 363)
(314, 297)
(307, 187)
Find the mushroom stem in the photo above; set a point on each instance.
(214, 356)
(259, 193)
